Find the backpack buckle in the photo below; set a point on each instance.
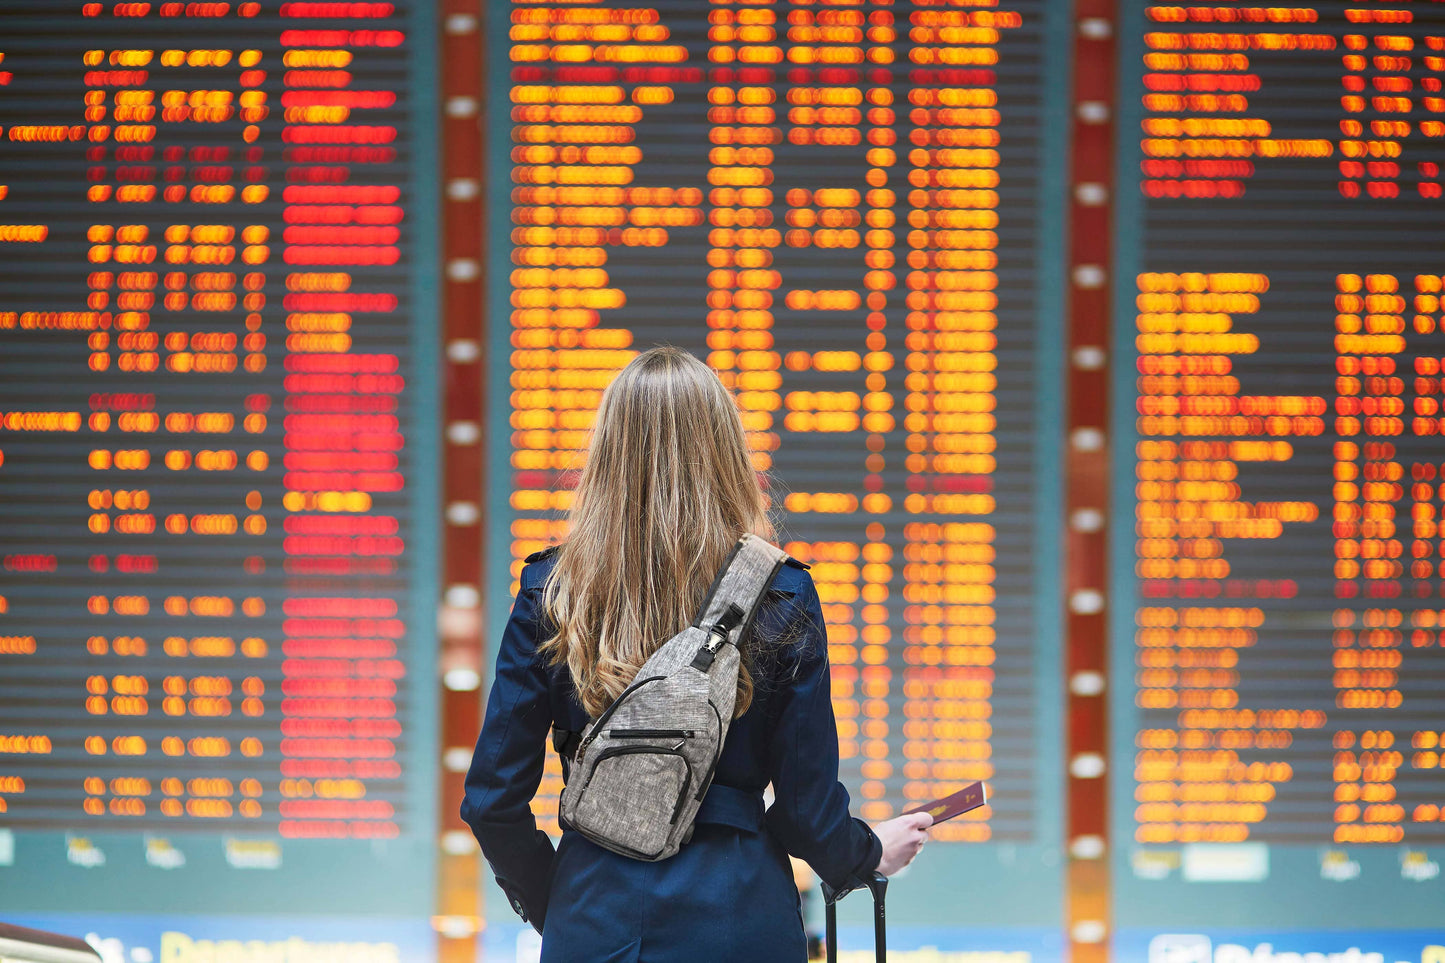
(730, 619)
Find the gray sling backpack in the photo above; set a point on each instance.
(644, 765)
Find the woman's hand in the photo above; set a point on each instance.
(902, 838)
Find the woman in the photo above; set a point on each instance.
(667, 489)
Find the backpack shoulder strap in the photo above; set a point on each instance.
(733, 599)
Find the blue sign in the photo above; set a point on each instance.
(128, 938)
(1138, 945)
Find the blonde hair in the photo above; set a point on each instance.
(667, 489)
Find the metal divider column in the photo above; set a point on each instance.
(463, 256)
(1087, 479)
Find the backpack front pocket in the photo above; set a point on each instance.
(632, 797)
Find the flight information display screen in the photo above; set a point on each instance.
(838, 206)
(216, 456)
(1278, 584)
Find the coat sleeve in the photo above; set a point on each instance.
(507, 767)
(809, 814)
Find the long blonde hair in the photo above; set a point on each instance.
(667, 489)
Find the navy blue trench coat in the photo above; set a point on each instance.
(729, 894)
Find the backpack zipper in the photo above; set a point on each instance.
(596, 728)
(651, 733)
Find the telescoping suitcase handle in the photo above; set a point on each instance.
(878, 884)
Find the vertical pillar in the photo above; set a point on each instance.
(463, 251)
(1087, 468)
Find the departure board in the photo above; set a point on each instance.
(216, 517)
(1278, 585)
(837, 206)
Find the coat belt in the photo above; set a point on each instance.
(728, 806)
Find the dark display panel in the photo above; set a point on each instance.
(1278, 578)
(216, 452)
(838, 206)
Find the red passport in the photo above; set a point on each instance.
(968, 798)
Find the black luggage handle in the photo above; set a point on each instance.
(878, 884)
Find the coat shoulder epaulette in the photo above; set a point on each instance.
(547, 552)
